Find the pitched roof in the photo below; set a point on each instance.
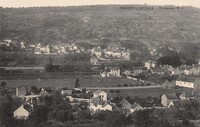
(171, 96)
(124, 101)
(135, 105)
(28, 108)
(166, 83)
(98, 92)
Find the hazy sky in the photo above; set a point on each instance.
(30, 3)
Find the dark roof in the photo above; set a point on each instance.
(28, 107)
(123, 102)
(181, 103)
(135, 105)
(166, 83)
(171, 96)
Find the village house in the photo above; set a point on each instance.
(150, 64)
(100, 94)
(176, 71)
(189, 82)
(114, 71)
(117, 53)
(192, 70)
(137, 71)
(93, 107)
(21, 91)
(124, 104)
(167, 98)
(23, 112)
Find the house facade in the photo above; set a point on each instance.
(100, 94)
(189, 82)
(150, 64)
(21, 91)
(22, 112)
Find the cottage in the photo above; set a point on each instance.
(115, 72)
(167, 98)
(21, 91)
(100, 94)
(124, 104)
(189, 82)
(23, 111)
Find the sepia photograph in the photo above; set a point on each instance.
(100, 63)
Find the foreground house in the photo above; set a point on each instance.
(167, 98)
(23, 111)
(189, 82)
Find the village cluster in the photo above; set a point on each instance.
(100, 100)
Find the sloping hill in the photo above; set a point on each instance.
(100, 23)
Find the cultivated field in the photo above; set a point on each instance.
(69, 82)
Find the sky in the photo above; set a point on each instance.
(33, 3)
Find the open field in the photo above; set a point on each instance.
(69, 82)
(35, 76)
(142, 93)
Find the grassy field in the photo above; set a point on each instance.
(143, 93)
(44, 76)
(69, 82)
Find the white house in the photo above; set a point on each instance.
(189, 82)
(23, 112)
(115, 72)
(21, 91)
(100, 94)
(98, 107)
